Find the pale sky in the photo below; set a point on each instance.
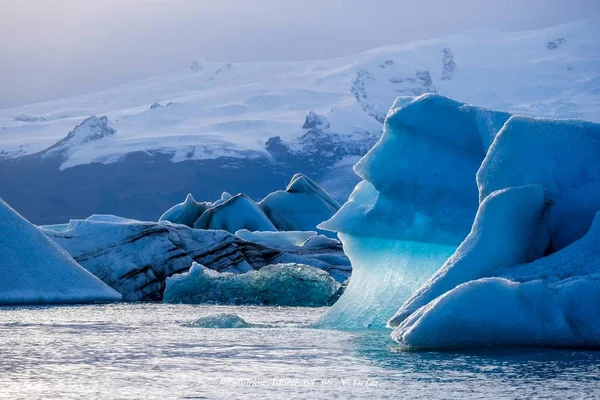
(56, 48)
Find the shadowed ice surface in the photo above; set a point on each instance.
(147, 351)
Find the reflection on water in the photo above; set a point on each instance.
(149, 350)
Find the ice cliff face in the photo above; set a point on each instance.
(531, 245)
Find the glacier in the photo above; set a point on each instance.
(250, 125)
(34, 270)
(278, 284)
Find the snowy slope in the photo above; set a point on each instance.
(137, 149)
(218, 109)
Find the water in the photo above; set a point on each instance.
(151, 351)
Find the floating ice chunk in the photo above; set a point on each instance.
(220, 321)
(185, 213)
(282, 240)
(280, 284)
(238, 212)
(509, 229)
(136, 257)
(301, 207)
(34, 270)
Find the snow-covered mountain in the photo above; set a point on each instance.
(247, 127)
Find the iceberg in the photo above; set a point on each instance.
(35, 270)
(279, 284)
(220, 321)
(185, 213)
(233, 214)
(474, 228)
(532, 254)
(414, 207)
(135, 257)
(300, 207)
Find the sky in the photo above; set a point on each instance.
(53, 49)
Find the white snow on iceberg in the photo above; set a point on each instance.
(34, 270)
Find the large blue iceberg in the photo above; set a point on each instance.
(474, 228)
(530, 263)
(416, 204)
(34, 270)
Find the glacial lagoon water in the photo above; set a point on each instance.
(154, 351)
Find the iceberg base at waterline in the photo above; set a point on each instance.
(385, 272)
